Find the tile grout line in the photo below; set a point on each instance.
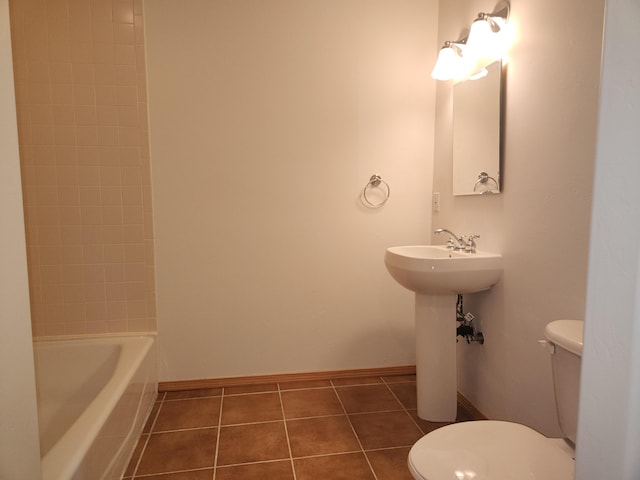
(286, 432)
(170, 400)
(146, 442)
(250, 393)
(354, 432)
(189, 429)
(215, 457)
(334, 454)
(328, 415)
(297, 389)
(255, 462)
(173, 472)
(383, 449)
(406, 410)
(278, 460)
(209, 427)
(142, 450)
(355, 414)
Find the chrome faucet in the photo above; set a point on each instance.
(468, 245)
(452, 236)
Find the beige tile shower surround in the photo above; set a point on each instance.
(83, 133)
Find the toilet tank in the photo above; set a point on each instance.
(566, 337)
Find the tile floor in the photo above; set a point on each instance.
(350, 429)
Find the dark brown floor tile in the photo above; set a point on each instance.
(256, 407)
(173, 451)
(321, 435)
(367, 398)
(206, 474)
(135, 456)
(311, 403)
(406, 393)
(351, 466)
(240, 389)
(390, 464)
(253, 442)
(257, 471)
(258, 442)
(464, 415)
(152, 417)
(182, 414)
(425, 425)
(199, 393)
(338, 382)
(399, 378)
(304, 384)
(385, 429)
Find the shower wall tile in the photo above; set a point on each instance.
(82, 119)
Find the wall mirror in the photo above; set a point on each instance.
(476, 134)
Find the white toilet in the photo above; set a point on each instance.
(496, 450)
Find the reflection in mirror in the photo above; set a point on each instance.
(476, 134)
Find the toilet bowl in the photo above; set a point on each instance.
(497, 450)
(490, 450)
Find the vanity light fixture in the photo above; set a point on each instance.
(467, 58)
(450, 63)
(487, 36)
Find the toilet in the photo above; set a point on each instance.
(497, 450)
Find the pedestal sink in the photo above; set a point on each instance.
(437, 275)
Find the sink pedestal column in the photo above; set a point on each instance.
(436, 374)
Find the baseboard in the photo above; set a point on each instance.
(471, 408)
(305, 377)
(284, 377)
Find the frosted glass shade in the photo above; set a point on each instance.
(449, 64)
(487, 40)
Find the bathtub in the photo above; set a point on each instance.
(94, 396)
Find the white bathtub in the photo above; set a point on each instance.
(94, 396)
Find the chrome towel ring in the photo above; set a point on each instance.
(376, 181)
(483, 178)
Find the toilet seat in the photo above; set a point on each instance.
(490, 450)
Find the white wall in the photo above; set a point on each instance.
(540, 223)
(266, 121)
(19, 444)
(609, 431)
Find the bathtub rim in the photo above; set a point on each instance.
(97, 413)
(93, 336)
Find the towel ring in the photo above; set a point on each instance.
(374, 182)
(483, 178)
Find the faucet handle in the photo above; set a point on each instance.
(470, 246)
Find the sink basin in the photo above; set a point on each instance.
(436, 270)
